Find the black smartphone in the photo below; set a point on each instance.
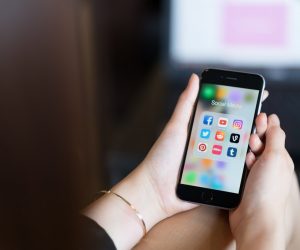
(213, 169)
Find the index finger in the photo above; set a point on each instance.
(275, 136)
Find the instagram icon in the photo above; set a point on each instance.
(237, 124)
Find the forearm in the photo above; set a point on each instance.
(258, 237)
(118, 219)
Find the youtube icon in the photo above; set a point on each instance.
(223, 122)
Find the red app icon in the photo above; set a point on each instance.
(220, 135)
(217, 149)
(223, 122)
(202, 147)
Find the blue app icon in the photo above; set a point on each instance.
(231, 152)
(205, 179)
(217, 183)
(205, 133)
(208, 120)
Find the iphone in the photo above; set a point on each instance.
(213, 169)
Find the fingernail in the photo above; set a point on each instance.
(273, 120)
(264, 115)
(266, 93)
(193, 76)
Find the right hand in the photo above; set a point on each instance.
(258, 222)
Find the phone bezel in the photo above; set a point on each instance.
(213, 197)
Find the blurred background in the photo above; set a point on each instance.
(90, 84)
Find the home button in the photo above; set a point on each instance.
(207, 196)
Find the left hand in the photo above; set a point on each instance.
(151, 186)
(162, 163)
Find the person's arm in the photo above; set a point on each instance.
(265, 231)
(259, 221)
(118, 219)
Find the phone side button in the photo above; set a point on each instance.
(207, 196)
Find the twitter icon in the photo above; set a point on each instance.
(205, 133)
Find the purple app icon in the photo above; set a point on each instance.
(235, 96)
(221, 164)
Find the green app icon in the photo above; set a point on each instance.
(190, 177)
(208, 92)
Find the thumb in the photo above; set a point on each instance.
(185, 104)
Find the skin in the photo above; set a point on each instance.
(151, 186)
(261, 214)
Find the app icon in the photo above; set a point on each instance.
(202, 147)
(217, 182)
(231, 152)
(221, 93)
(206, 163)
(205, 179)
(217, 149)
(249, 97)
(234, 138)
(190, 177)
(223, 122)
(220, 135)
(208, 120)
(205, 133)
(237, 124)
(235, 96)
(208, 91)
(220, 164)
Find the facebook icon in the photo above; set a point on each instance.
(208, 120)
(231, 152)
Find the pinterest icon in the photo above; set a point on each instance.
(202, 147)
(237, 124)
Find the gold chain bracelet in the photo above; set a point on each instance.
(140, 217)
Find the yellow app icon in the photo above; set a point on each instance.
(221, 93)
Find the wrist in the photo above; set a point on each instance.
(118, 219)
(138, 189)
(260, 232)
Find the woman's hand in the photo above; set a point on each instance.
(258, 222)
(162, 163)
(151, 186)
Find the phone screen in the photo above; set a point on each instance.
(219, 138)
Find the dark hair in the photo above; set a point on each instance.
(44, 175)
